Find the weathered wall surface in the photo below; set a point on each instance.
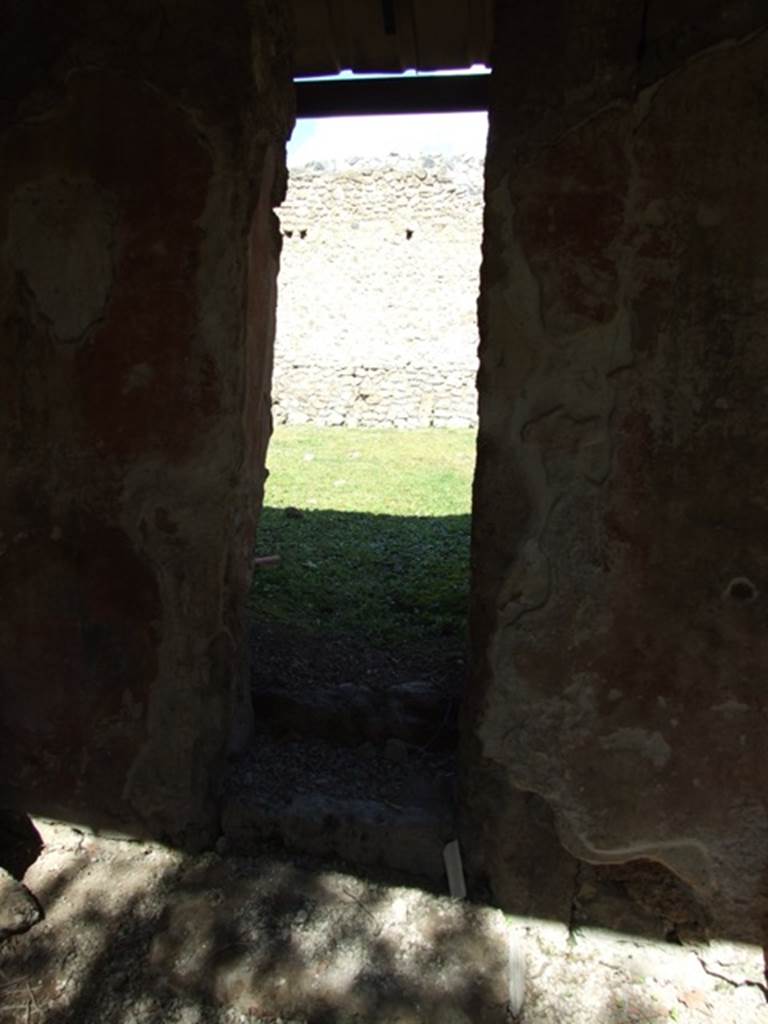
(377, 324)
(136, 226)
(621, 511)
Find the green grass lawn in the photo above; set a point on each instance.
(384, 472)
(375, 542)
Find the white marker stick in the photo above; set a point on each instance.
(454, 870)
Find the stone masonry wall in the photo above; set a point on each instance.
(377, 320)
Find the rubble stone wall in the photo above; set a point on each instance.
(377, 322)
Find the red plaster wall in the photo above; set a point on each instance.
(620, 488)
(139, 157)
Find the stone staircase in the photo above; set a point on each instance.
(350, 773)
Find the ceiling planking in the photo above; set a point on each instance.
(383, 36)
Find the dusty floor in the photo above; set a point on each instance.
(136, 933)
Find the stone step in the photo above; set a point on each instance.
(332, 801)
(19, 910)
(365, 832)
(414, 713)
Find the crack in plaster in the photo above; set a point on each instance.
(642, 45)
(744, 983)
(572, 910)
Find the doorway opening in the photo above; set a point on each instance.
(360, 598)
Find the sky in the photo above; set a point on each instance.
(405, 134)
(342, 137)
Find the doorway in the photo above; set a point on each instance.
(359, 602)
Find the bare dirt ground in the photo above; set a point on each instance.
(297, 660)
(135, 933)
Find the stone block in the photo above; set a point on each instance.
(19, 910)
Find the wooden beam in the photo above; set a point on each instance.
(411, 95)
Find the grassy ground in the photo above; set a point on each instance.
(384, 472)
(372, 528)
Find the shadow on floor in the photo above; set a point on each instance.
(137, 933)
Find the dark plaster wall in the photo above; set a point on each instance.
(142, 155)
(620, 585)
